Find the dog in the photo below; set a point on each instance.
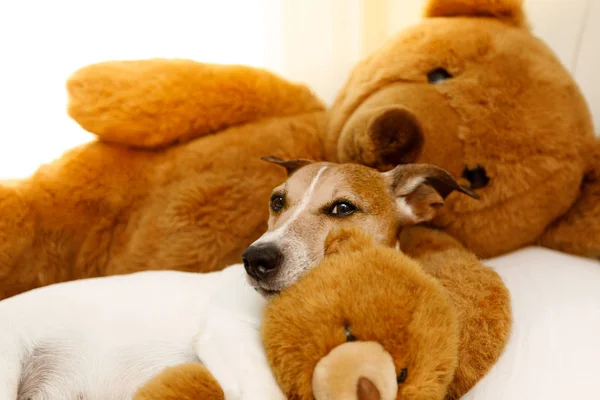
(102, 338)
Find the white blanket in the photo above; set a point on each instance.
(106, 336)
(554, 349)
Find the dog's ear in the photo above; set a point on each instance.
(290, 165)
(346, 240)
(420, 189)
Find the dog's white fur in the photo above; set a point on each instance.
(298, 258)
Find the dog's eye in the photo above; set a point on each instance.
(438, 75)
(277, 202)
(477, 176)
(341, 209)
(402, 376)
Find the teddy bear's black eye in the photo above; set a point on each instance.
(402, 376)
(438, 75)
(349, 336)
(477, 176)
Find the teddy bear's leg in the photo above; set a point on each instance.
(182, 382)
(158, 102)
(16, 236)
(476, 290)
(578, 231)
(426, 243)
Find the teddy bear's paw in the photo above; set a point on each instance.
(182, 382)
(418, 240)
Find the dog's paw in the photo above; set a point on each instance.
(418, 240)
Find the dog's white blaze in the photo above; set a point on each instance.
(277, 233)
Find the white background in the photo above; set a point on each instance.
(312, 41)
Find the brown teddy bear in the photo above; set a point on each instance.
(145, 196)
(392, 328)
(175, 181)
(470, 89)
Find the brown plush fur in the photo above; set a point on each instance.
(506, 10)
(209, 98)
(357, 370)
(195, 205)
(476, 292)
(445, 318)
(183, 382)
(509, 107)
(429, 317)
(104, 209)
(578, 232)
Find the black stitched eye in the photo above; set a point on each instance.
(438, 75)
(477, 176)
(349, 336)
(402, 376)
(277, 202)
(341, 209)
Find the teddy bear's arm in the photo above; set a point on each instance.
(157, 102)
(578, 231)
(475, 289)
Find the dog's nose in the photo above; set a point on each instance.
(262, 260)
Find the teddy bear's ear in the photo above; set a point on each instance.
(346, 240)
(510, 11)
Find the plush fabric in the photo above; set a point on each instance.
(193, 381)
(107, 208)
(175, 180)
(498, 108)
(209, 99)
(425, 312)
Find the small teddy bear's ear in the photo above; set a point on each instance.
(510, 11)
(346, 240)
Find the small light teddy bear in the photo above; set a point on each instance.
(371, 323)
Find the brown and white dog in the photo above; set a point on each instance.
(104, 337)
(321, 196)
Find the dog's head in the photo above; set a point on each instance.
(318, 197)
